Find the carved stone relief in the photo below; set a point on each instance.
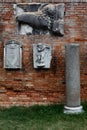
(13, 55)
(42, 55)
(39, 18)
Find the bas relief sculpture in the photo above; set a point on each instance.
(13, 55)
(42, 55)
(38, 18)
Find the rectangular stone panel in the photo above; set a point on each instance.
(48, 17)
(13, 55)
(42, 55)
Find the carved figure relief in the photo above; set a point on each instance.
(42, 55)
(40, 18)
(13, 55)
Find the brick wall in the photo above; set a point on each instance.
(29, 86)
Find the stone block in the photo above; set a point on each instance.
(42, 55)
(13, 55)
(45, 16)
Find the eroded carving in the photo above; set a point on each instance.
(42, 55)
(13, 55)
(42, 17)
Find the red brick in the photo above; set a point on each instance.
(29, 86)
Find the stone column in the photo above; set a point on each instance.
(73, 103)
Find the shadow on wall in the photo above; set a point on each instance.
(54, 63)
(1, 31)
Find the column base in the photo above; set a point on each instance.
(73, 110)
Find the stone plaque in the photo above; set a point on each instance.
(13, 55)
(48, 17)
(42, 55)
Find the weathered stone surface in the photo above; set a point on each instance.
(45, 17)
(58, 27)
(42, 55)
(72, 78)
(13, 55)
(25, 29)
